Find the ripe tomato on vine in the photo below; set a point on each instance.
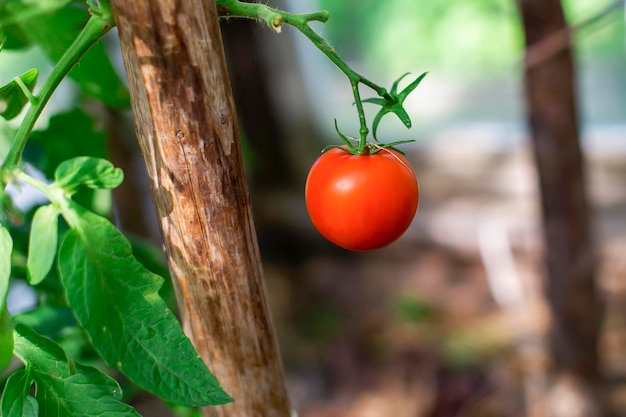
(361, 196)
(361, 202)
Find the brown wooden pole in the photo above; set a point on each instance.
(187, 129)
(570, 255)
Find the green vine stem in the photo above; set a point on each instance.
(276, 18)
(97, 26)
(57, 196)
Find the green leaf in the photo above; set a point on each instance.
(91, 172)
(6, 247)
(14, 11)
(66, 388)
(6, 338)
(42, 245)
(7, 133)
(94, 74)
(12, 96)
(16, 401)
(13, 36)
(115, 299)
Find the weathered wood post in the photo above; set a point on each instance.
(187, 128)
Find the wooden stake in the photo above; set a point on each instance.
(187, 128)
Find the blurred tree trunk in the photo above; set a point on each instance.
(187, 129)
(570, 257)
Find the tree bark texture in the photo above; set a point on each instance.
(187, 129)
(570, 257)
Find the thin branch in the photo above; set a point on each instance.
(276, 18)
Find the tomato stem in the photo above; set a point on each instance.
(367, 150)
(275, 18)
(97, 26)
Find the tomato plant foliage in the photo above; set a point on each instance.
(93, 294)
(116, 300)
(68, 388)
(113, 297)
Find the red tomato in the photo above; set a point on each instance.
(361, 202)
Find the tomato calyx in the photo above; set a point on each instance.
(356, 147)
(390, 102)
(393, 102)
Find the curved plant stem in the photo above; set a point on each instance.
(275, 18)
(97, 25)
